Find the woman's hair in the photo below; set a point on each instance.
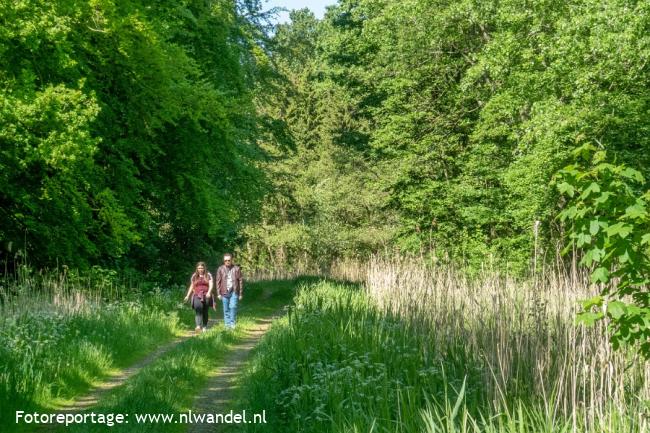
(196, 272)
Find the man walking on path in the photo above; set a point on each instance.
(230, 289)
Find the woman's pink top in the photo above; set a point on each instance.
(201, 284)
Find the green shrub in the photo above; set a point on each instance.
(607, 208)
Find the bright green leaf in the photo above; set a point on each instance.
(621, 229)
(588, 318)
(633, 174)
(592, 188)
(636, 211)
(616, 309)
(566, 188)
(596, 301)
(600, 275)
(603, 197)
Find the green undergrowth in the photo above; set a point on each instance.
(50, 355)
(337, 363)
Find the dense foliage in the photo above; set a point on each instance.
(439, 125)
(126, 136)
(326, 200)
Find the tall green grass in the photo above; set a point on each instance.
(352, 359)
(338, 363)
(58, 336)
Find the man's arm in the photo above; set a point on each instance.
(241, 284)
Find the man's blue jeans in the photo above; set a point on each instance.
(229, 310)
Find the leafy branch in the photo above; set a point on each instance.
(607, 208)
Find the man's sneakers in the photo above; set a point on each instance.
(197, 329)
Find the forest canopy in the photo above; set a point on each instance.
(437, 127)
(148, 135)
(127, 130)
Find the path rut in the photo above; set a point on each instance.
(85, 402)
(219, 391)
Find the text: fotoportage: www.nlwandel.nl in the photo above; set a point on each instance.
(111, 419)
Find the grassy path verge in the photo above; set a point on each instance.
(223, 382)
(49, 360)
(171, 382)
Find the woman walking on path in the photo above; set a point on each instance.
(230, 289)
(201, 290)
